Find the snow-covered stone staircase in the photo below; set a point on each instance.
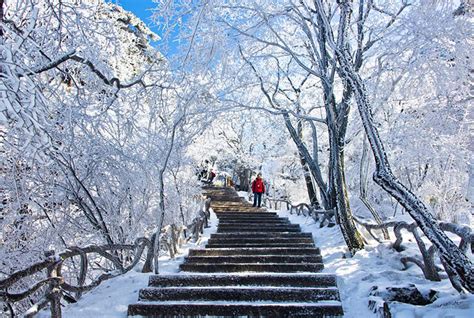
(256, 265)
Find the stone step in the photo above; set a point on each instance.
(223, 197)
(246, 214)
(229, 203)
(254, 251)
(243, 207)
(277, 280)
(262, 235)
(233, 245)
(250, 218)
(258, 264)
(255, 224)
(283, 229)
(249, 267)
(253, 221)
(320, 309)
(251, 225)
(252, 293)
(256, 259)
(250, 209)
(260, 240)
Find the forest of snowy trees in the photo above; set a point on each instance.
(361, 107)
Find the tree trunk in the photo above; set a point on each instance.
(456, 263)
(313, 199)
(344, 218)
(323, 187)
(363, 172)
(1, 17)
(312, 166)
(156, 246)
(244, 178)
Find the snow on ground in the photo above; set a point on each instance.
(378, 265)
(111, 298)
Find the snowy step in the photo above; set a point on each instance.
(238, 229)
(262, 235)
(225, 198)
(257, 265)
(253, 293)
(245, 226)
(239, 221)
(250, 267)
(261, 243)
(232, 245)
(237, 309)
(242, 208)
(255, 259)
(246, 214)
(256, 227)
(254, 251)
(230, 202)
(251, 225)
(261, 240)
(247, 218)
(276, 280)
(245, 223)
(253, 220)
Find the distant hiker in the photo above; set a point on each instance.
(258, 188)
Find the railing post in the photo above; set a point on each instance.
(55, 294)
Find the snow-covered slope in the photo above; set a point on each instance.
(112, 297)
(378, 265)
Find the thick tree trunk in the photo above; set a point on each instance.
(322, 187)
(363, 183)
(313, 199)
(456, 263)
(244, 178)
(351, 235)
(1, 17)
(156, 245)
(344, 218)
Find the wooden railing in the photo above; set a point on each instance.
(427, 260)
(49, 281)
(324, 217)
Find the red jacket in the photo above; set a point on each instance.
(258, 186)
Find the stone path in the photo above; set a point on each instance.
(256, 265)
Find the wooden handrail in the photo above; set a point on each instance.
(426, 262)
(302, 208)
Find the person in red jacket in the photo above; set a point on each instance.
(258, 189)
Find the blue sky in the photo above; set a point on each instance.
(141, 8)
